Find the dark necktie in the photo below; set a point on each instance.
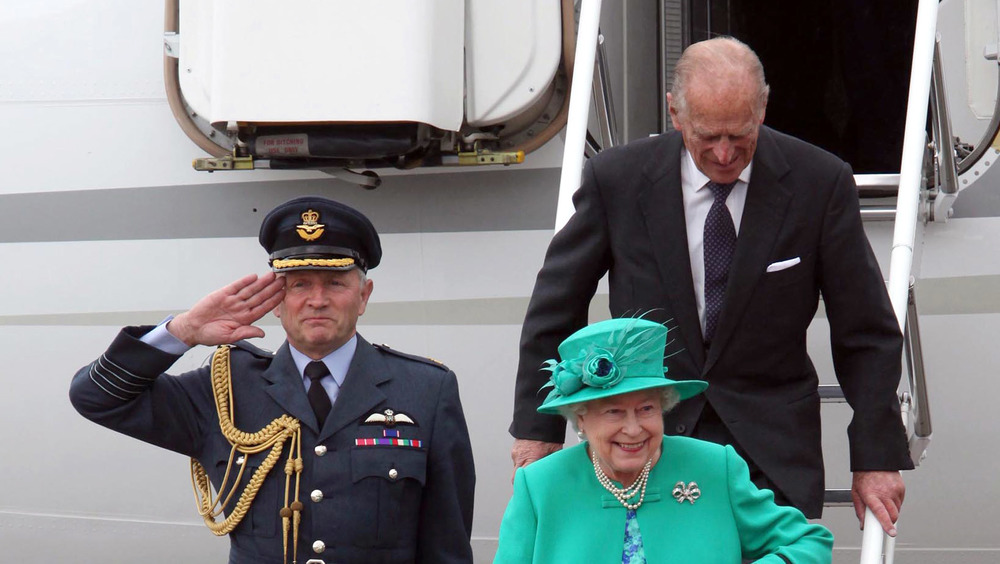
(720, 241)
(318, 399)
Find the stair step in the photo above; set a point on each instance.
(831, 393)
(878, 213)
(877, 185)
(837, 498)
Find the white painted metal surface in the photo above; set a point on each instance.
(981, 25)
(907, 209)
(512, 53)
(579, 108)
(311, 60)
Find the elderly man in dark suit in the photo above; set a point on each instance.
(728, 232)
(375, 438)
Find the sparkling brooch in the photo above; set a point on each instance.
(686, 492)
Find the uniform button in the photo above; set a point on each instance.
(320, 450)
(316, 496)
(393, 474)
(241, 460)
(681, 428)
(319, 547)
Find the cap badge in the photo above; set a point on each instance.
(311, 228)
(686, 492)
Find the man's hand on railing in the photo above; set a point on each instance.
(883, 493)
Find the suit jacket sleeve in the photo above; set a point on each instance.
(125, 390)
(446, 507)
(519, 526)
(771, 533)
(578, 256)
(865, 338)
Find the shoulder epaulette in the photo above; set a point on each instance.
(387, 349)
(253, 349)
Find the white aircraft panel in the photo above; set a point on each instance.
(103, 276)
(512, 53)
(73, 50)
(301, 61)
(980, 30)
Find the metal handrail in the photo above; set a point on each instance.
(922, 428)
(945, 146)
(944, 143)
(579, 108)
(907, 208)
(603, 101)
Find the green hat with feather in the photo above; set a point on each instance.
(610, 358)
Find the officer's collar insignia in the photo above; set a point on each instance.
(686, 492)
(389, 418)
(311, 228)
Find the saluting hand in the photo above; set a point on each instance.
(227, 314)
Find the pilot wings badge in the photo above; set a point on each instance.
(389, 418)
(689, 492)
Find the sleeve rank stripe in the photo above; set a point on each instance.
(104, 358)
(122, 375)
(97, 371)
(99, 385)
(111, 377)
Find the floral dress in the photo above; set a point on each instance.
(633, 553)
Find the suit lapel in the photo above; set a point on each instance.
(763, 216)
(287, 389)
(662, 206)
(360, 393)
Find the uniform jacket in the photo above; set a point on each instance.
(422, 514)
(560, 513)
(801, 204)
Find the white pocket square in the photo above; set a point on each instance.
(783, 264)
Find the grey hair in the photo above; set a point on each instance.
(718, 57)
(362, 275)
(669, 398)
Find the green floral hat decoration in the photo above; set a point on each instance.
(611, 358)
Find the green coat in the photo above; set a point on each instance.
(561, 513)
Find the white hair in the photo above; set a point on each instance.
(669, 398)
(362, 275)
(719, 57)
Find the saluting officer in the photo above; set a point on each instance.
(372, 440)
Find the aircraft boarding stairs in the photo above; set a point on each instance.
(476, 111)
(930, 179)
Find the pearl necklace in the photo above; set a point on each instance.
(638, 487)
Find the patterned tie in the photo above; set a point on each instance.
(720, 241)
(318, 399)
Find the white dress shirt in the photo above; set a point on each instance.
(336, 362)
(697, 201)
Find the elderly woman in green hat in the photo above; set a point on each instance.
(630, 494)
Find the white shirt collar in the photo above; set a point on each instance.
(336, 362)
(697, 178)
